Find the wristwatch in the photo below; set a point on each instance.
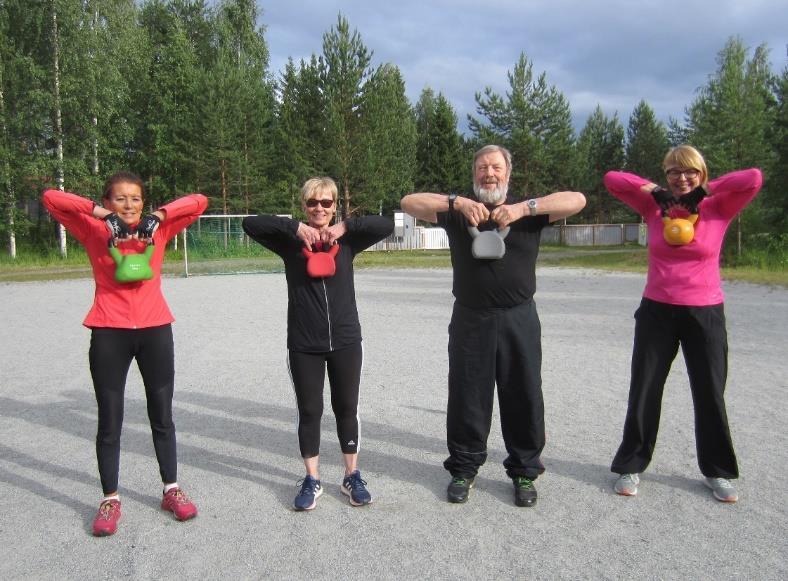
(452, 197)
(531, 206)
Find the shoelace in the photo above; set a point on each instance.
(179, 497)
(106, 509)
(722, 482)
(307, 486)
(459, 481)
(524, 483)
(356, 483)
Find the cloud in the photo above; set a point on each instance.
(608, 52)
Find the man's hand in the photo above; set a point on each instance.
(663, 198)
(147, 226)
(333, 233)
(475, 212)
(118, 229)
(506, 214)
(309, 235)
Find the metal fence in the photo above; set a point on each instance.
(422, 238)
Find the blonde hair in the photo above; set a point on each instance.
(688, 157)
(312, 186)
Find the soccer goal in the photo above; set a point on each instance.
(216, 244)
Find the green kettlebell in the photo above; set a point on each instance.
(132, 267)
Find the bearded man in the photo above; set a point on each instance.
(495, 333)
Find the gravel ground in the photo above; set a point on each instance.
(239, 460)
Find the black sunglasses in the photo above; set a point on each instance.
(312, 203)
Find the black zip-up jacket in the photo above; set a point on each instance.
(321, 312)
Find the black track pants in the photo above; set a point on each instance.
(489, 347)
(110, 355)
(307, 372)
(659, 330)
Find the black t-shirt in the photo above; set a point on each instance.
(321, 312)
(506, 282)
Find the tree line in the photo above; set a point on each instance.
(181, 92)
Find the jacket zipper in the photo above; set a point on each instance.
(328, 316)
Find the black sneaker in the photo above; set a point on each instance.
(524, 491)
(458, 489)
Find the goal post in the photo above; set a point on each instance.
(217, 244)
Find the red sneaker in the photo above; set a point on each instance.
(107, 517)
(176, 501)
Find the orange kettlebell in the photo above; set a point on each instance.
(321, 264)
(679, 231)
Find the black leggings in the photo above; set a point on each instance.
(111, 352)
(307, 372)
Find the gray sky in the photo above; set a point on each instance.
(607, 52)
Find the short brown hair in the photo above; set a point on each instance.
(121, 177)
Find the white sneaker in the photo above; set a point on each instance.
(627, 485)
(722, 489)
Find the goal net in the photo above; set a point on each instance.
(216, 244)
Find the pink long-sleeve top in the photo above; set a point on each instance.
(123, 305)
(689, 274)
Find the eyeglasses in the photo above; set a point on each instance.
(675, 174)
(313, 202)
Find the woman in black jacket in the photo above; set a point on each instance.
(323, 330)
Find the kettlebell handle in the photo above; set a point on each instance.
(692, 219)
(332, 250)
(118, 257)
(502, 232)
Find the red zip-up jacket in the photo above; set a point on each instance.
(123, 305)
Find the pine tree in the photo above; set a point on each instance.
(389, 143)
(534, 122)
(775, 196)
(441, 162)
(731, 118)
(601, 148)
(300, 139)
(167, 129)
(344, 72)
(647, 143)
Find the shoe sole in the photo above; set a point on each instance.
(347, 493)
(179, 518)
(627, 492)
(526, 503)
(104, 533)
(318, 494)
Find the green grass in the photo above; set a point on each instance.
(613, 258)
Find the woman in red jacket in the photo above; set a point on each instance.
(129, 320)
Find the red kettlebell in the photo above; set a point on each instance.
(321, 264)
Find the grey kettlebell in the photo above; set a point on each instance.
(488, 245)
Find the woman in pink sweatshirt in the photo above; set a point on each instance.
(682, 305)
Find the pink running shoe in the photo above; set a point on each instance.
(176, 501)
(107, 517)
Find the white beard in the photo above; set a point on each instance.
(495, 195)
